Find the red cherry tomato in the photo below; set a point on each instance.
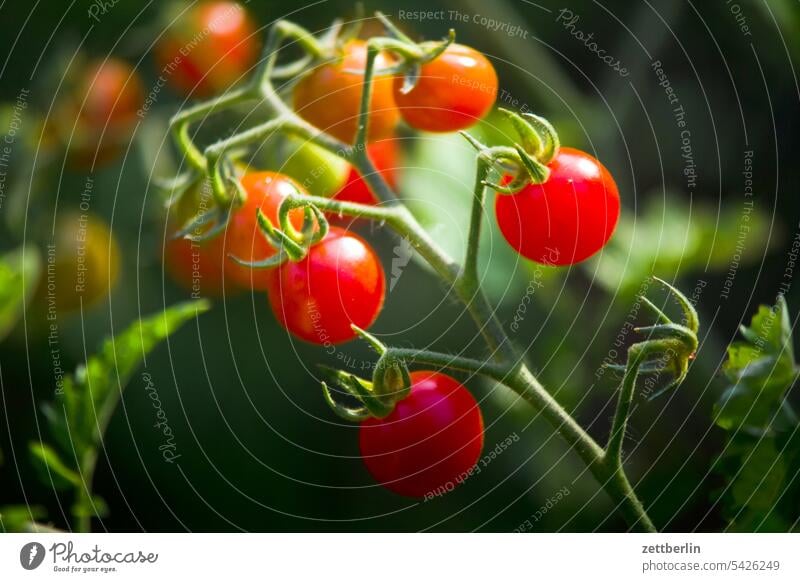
(243, 238)
(453, 92)
(568, 218)
(96, 121)
(339, 282)
(384, 155)
(429, 442)
(330, 97)
(208, 48)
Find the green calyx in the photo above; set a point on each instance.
(391, 382)
(526, 162)
(669, 346)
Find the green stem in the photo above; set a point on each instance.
(181, 121)
(476, 218)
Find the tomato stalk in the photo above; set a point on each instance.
(506, 365)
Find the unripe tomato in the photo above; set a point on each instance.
(318, 171)
(243, 238)
(454, 91)
(208, 48)
(429, 442)
(199, 267)
(85, 260)
(96, 121)
(568, 218)
(339, 282)
(330, 97)
(384, 155)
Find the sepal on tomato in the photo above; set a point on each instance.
(391, 383)
(371, 403)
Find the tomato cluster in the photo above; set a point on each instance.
(429, 440)
(340, 281)
(453, 91)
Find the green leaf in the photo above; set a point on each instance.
(19, 275)
(51, 468)
(760, 369)
(100, 382)
(762, 448)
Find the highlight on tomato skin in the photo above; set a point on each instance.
(207, 46)
(567, 219)
(330, 96)
(429, 442)
(453, 92)
(340, 282)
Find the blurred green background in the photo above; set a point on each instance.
(260, 450)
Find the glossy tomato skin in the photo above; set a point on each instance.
(454, 91)
(568, 218)
(329, 97)
(341, 281)
(430, 440)
(96, 121)
(384, 155)
(207, 48)
(243, 238)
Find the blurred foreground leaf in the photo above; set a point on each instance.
(761, 459)
(87, 401)
(19, 274)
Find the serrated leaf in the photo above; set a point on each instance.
(761, 450)
(51, 468)
(19, 276)
(760, 369)
(105, 374)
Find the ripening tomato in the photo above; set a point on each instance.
(429, 442)
(330, 96)
(95, 121)
(243, 238)
(207, 47)
(339, 282)
(384, 155)
(568, 218)
(198, 267)
(454, 91)
(85, 259)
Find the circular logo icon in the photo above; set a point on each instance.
(31, 555)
